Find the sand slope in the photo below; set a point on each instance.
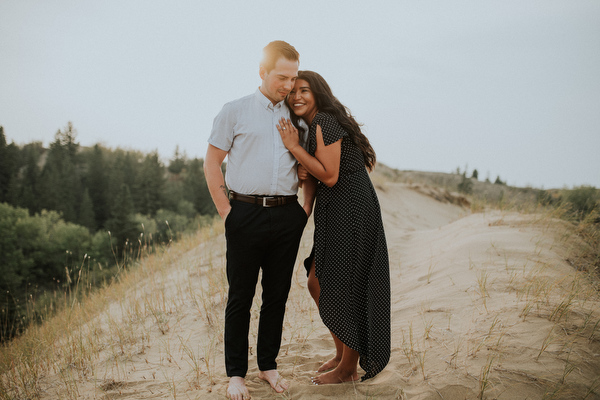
(482, 305)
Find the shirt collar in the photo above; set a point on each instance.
(265, 102)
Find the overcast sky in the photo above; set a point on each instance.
(511, 87)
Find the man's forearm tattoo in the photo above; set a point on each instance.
(224, 189)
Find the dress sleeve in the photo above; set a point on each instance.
(331, 129)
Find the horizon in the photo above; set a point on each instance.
(480, 178)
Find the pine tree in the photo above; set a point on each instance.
(61, 179)
(122, 225)
(178, 162)
(27, 193)
(5, 173)
(9, 166)
(196, 189)
(97, 184)
(86, 212)
(122, 170)
(150, 185)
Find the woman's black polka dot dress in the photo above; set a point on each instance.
(351, 258)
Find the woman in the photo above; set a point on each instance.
(348, 269)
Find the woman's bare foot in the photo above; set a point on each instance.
(335, 376)
(237, 389)
(275, 380)
(329, 365)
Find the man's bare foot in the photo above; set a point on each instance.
(335, 376)
(329, 365)
(275, 380)
(237, 389)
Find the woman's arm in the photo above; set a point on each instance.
(325, 166)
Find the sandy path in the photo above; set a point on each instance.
(476, 308)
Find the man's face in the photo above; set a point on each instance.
(277, 83)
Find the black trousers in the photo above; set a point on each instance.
(259, 237)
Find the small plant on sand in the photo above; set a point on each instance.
(482, 281)
(421, 358)
(547, 341)
(192, 360)
(408, 348)
(454, 355)
(209, 359)
(592, 389)
(429, 272)
(428, 322)
(484, 377)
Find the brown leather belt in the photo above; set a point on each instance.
(265, 201)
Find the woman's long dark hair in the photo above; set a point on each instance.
(326, 102)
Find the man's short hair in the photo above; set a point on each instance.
(275, 50)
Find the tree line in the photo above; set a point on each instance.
(66, 206)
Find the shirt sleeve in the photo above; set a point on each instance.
(331, 129)
(222, 133)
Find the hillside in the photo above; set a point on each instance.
(484, 305)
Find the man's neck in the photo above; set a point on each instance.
(264, 94)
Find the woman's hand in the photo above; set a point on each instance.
(289, 134)
(302, 173)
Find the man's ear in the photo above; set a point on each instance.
(262, 71)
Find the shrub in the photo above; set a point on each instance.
(465, 185)
(170, 225)
(15, 265)
(582, 200)
(100, 250)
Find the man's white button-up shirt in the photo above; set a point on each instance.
(257, 161)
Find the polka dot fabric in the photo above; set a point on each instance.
(351, 258)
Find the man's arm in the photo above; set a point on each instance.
(215, 181)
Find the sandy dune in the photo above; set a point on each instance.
(482, 305)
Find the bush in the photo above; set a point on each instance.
(38, 248)
(171, 225)
(15, 266)
(37, 252)
(100, 250)
(68, 244)
(582, 200)
(465, 185)
(186, 208)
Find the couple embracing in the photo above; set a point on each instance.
(293, 131)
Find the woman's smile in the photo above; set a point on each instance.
(302, 101)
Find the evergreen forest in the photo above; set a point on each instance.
(69, 207)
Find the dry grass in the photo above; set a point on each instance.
(117, 323)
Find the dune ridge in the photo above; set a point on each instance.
(484, 305)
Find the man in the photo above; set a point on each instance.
(263, 219)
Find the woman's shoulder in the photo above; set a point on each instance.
(324, 118)
(330, 127)
(327, 122)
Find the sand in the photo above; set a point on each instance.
(484, 305)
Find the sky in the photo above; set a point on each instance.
(510, 88)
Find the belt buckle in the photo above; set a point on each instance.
(264, 202)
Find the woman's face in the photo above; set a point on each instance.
(301, 101)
